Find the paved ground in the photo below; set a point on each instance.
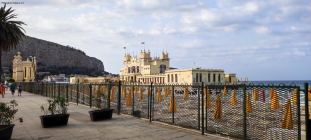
(80, 126)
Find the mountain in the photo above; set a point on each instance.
(55, 58)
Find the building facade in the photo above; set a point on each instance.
(157, 70)
(24, 70)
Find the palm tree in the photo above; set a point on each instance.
(11, 32)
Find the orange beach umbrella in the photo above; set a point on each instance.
(271, 92)
(149, 91)
(112, 94)
(207, 96)
(159, 96)
(309, 93)
(170, 109)
(295, 96)
(167, 89)
(287, 123)
(136, 91)
(249, 108)
(141, 93)
(233, 98)
(217, 108)
(129, 97)
(275, 101)
(224, 92)
(124, 91)
(186, 94)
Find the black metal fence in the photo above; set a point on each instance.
(238, 111)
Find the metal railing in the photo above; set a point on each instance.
(238, 111)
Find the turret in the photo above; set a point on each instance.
(127, 57)
(144, 54)
(165, 56)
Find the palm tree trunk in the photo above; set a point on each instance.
(1, 72)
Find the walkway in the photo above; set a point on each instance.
(80, 126)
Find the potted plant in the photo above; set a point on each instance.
(7, 112)
(100, 113)
(55, 112)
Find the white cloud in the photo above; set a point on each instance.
(261, 30)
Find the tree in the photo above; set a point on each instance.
(11, 32)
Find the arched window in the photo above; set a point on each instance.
(176, 78)
(162, 68)
(137, 69)
(128, 70)
(168, 78)
(172, 76)
(133, 69)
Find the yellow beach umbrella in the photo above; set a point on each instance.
(186, 94)
(224, 93)
(207, 96)
(148, 92)
(129, 97)
(141, 93)
(217, 108)
(249, 108)
(275, 101)
(271, 92)
(159, 96)
(309, 93)
(295, 96)
(136, 91)
(233, 98)
(167, 89)
(112, 94)
(124, 91)
(287, 123)
(255, 94)
(310, 111)
(170, 109)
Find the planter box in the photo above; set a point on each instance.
(54, 120)
(104, 114)
(6, 131)
(137, 114)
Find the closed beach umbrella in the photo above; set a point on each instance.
(255, 94)
(275, 101)
(159, 96)
(124, 91)
(217, 108)
(166, 92)
(271, 92)
(295, 96)
(141, 93)
(249, 108)
(309, 93)
(136, 91)
(171, 109)
(129, 97)
(112, 94)
(287, 123)
(233, 98)
(207, 98)
(148, 92)
(205, 90)
(186, 94)
(224, 93)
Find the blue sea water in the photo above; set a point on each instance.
(299, 83)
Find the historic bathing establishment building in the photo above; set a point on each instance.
(146, 69)
(24, 70)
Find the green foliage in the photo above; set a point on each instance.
(58, 105)
(10, 80)
(7, 112)
(98, 98)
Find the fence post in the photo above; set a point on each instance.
(298, 113)
(244, 113)
(133, 100)
(148, 103)
(58, 89)
(150, 110)
(77, 91)
(199, 114)
(67, 92)
(83, 96)
(90, 88)
(307, 111)
(202, 108)
(173, 110)
(46, 90)
(119, 97)
(108, 98)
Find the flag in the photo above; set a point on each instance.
(142, 43)
(124, 47)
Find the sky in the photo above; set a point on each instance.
(261, 40)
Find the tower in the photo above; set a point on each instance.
(165, 56)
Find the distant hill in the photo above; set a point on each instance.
(55, 58)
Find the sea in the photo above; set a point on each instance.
(287, 83)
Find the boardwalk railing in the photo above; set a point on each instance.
(238, 111)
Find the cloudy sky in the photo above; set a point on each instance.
(261, 40)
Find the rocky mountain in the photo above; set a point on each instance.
(55, 58)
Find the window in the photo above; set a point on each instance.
(218, 77)
(168, 78)
(214, 77)
(137, 69)
(196, 77)
(176, 78)
(162, 68)
(128, 70)
(25, 72)
(133, 69)
(209, 78)
(200, 77)
(172, 76)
